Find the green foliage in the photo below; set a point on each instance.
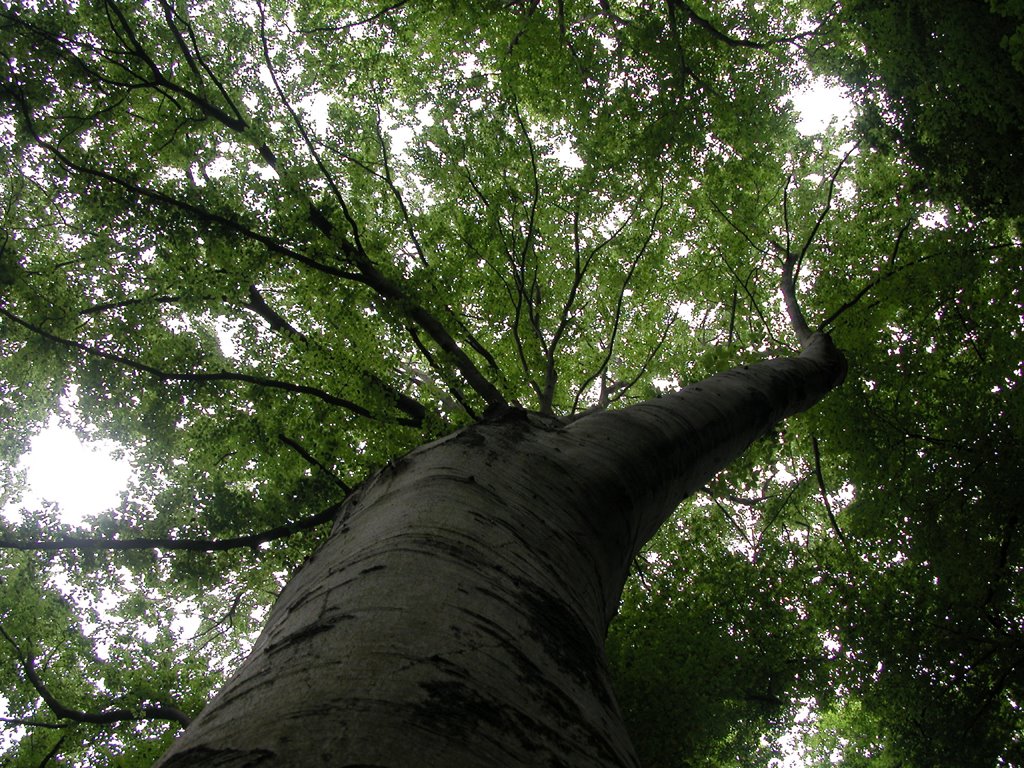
(269, 247)
(945, 82)
(712, 648)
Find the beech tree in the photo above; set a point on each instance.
(474, 361)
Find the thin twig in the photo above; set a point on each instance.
(314, 462)
(824, 495)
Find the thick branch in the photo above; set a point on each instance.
(276, 322)
(300, 126)
(788, 287)
(225, 376)
(160, 80)
(794, 259)
(188, 545)
(735, 42)
(433, 327)
(107, 716)
(671, 446)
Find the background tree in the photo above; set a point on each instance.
(272, 249)
(944, 84)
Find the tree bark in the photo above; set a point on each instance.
(456, 614)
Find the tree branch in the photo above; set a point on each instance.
(314, 462)
(824, 494)
(389, 181)
(277, 323)
(29, 722)
(788, 287)
(105, 717)
(735, 42)
(197, 213)
(393, 292)
(300, 126)
(368, 273)
(359, 22)
(455, 390)
(849, 304)
(188, 545)
(794, 259)
(107, 306)
(414, 409)
(224, 376)
(53, 752)
(732, 521)
(160, 80)
(617, 315)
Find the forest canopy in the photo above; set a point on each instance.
(270, 247)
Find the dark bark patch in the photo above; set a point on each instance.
(456, 708)
(566, 639)
(303, 634)
(223, 758)
(470, 437)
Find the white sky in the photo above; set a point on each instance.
(84, 479)
(818, 105)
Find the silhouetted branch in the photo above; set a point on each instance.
(824, 495)
(828, 202)
(415, 419)
(394, 292)
(455, 390)
(190, 545)
(780, 509)
(871, 284)
(198, 213)
(736, 42)
(276, 322)
(107, 306)
(794, 259)
(434, 328)
(732, 521)
(161, 82)
(105, 717)
(31, 723)
(389, 181)
(53, 752)
(314, 462)
(359, 22)
(621, 388)
(617, 314)
(300, 126)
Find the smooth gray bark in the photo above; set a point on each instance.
(456, 615)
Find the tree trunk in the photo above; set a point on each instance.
(456, 615)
